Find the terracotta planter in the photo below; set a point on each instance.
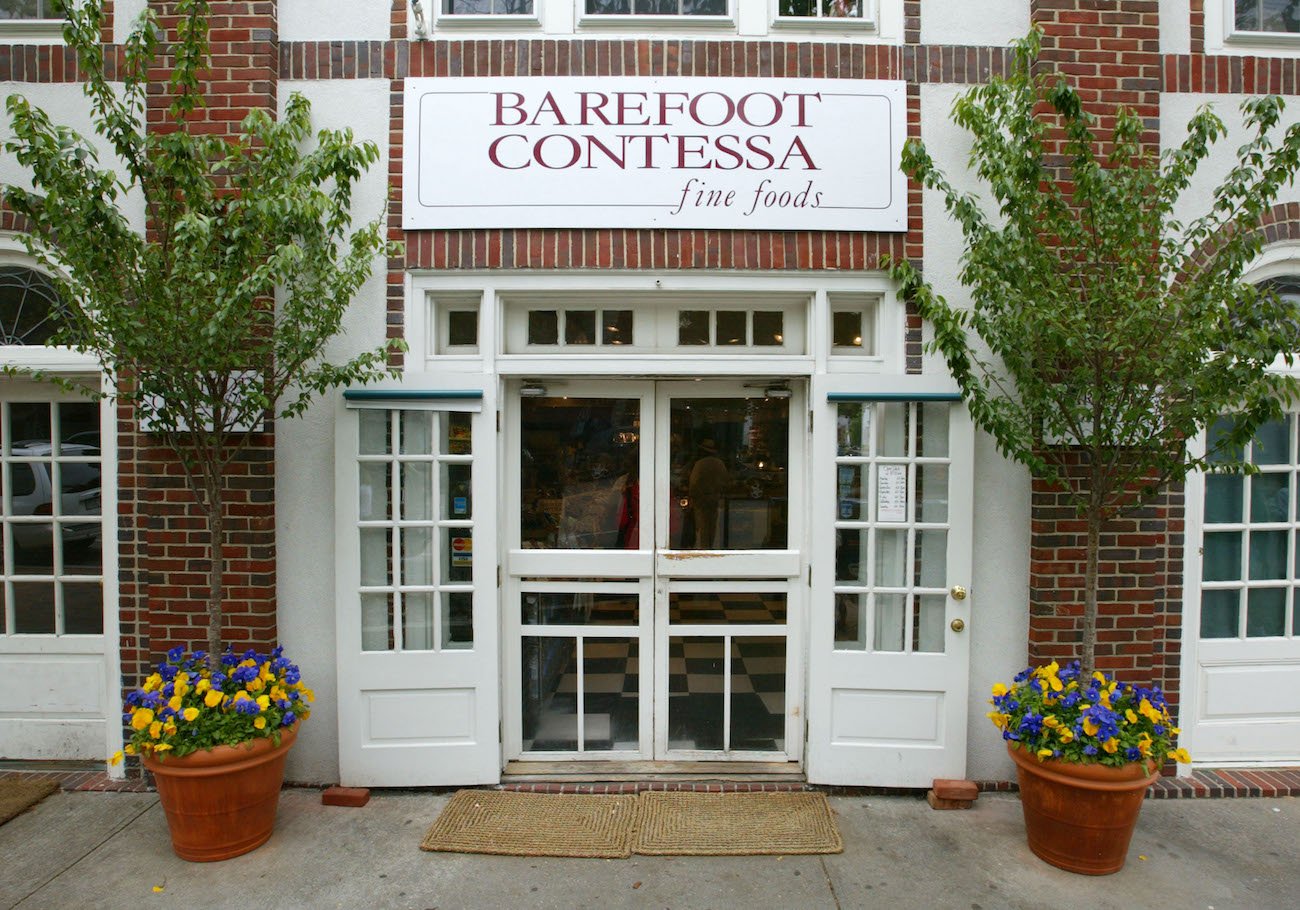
(221, 802)
(1081, 817)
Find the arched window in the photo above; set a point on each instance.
(28, 300)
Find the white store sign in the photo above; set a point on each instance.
(638, 152)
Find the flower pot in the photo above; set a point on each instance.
(1081, 817)
(221, 802)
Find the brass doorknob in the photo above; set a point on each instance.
(957, 625)
(958, 592)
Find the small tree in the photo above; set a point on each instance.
(219, 316)
(1103, 329)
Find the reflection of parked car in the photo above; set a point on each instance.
(31, 493)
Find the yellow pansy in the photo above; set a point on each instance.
(1180, 755)
(174, 702)
(999, 690)
(306, 693)
(142, 718)
(169, 728)
(116, 759)
(162, 747)
(1044, 753)
(999, 719)
(1067, 735)
(153, 682)
(1132, 717)
(129, 749)
(1090, 726)
(213, 698)
(202, 686)
(263, 702)
(259, 723)
(190, 713)
(1111, 745)
(155, 729)
(1051, 722)
(255, 684)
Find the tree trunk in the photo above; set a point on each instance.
(216, 568)
(1088, 644)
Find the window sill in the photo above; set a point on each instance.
(448, 23)
(32, 31)
(1269, 40)
(824, 24)
(657, 23)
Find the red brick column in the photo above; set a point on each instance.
(1111, 50)
(162, 535)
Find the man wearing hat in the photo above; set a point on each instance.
(708, 481)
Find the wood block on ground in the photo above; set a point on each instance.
(354, 797)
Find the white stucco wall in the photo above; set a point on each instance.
(964, 22)
(999, 626)
(125, 12)
(1177, 109)
(1175, 26)
(336, 20)
(304, 477)
(66, 105)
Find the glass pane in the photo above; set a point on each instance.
(417, 432)
(586, 608)
(1265, 612)
(578, 464)
(616, 327)
(891, 558)
(932, 493)
(543, 327)
(580, 327)
(892, 417)
(734, 607)
(462, 328)
(728, 485)
(417, 621)
(850, 495)
(932, 440)
(550, 696)
(456, 426)
(417, 556)
(1213, 436)
(457, 620)
(1247, 18)
(456, 491)
(1268, 554)
(1272, 443)
(769, 328)
(851, 556)
(731, 327)
(33, 548)
(758, 694)
(850, 621)
(28, 299)
(1219, 612)
(377, 622)
(692, 327)
(34, 607)
(1222, 557)
(83, 608)
(374, 557)
(891, 610)
(417, 491)
(29, 426)
(1223, 498)
(695, 690)
(853, 430)
(1270, 496)
(846, 329)
(458, 554)
(928, 622)
(610, 679)
(932, 559)
(374, 433)
(840, 9)
(374, 494)
(78, 427)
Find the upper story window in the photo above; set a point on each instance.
(487, 7)
(821, 9)
(38, 21)
(656, 7)
(28, 9)
(1273, 16)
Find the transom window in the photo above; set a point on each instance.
(1281, 16)
(1249, 564)
(28, 301)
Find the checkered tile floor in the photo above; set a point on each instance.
(612, 679)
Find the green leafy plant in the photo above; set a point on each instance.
(187, 705)
(1059, 713)
(217, 317)
(1103, 331)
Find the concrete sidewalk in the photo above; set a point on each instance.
(109, 850)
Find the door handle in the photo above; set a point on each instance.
(957, 625)
(958, 592)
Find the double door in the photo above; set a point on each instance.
(654, 582)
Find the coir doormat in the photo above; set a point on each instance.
(653, 823)
(17, 796)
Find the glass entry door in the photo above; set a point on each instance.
(652, 595)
